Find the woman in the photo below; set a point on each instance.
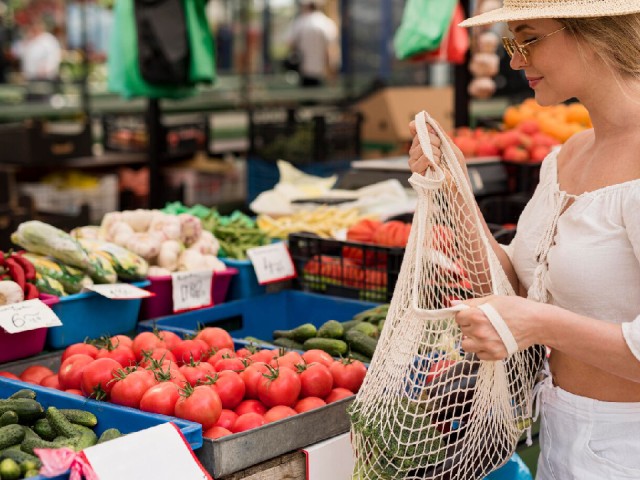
(576, 255)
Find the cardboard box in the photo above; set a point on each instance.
(387, 112)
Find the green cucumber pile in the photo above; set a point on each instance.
(26, 425)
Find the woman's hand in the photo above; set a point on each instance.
(418, 161)
(481, 338)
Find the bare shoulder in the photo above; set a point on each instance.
(574, 147)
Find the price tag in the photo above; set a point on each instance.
(120, 291)
(191, 290)
(27, 315)
(144, 454)
(330, 460)
(272, 263)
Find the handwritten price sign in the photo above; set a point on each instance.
(272, 263)
(120, 291)
(191, 290)
(27, 315)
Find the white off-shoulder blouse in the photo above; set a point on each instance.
(584, 255)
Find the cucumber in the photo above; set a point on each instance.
(331, 329)
(288, 343)
(369, 329)
(361, 343)
(60, 424)
(299, 334)
(349, 324)
(332, 346)
(24, 393)
(86, 437)
(11, 435)
(28, 444)
(20, 457)
(44, 429)
(359, 356)
(29, 433)
(10, 470)
(31, 473)
(8, 418)
(109, 434)
(28, 410)
(80, 417)
(257, 341)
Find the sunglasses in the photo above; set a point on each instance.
(511, 46)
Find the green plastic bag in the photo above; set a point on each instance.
(424, 25)
(202, 64)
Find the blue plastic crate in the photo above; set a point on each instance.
(92, 315)
(260, 316)
(245, 283)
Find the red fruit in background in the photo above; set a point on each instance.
(123, 355)
(146, 341)
(35, 373)
(338, 394)
(74, 391)
(280, 387)
(160, 398)
(348, 373)
(171, 339)
(247, 406)
(316, 380)
(230, 388)
(70, 373)
(10, 375)
(227, 418)
(443, 239)
(197, 372)
(221, 353)
(234, 364)
(438, 368)
(162, 355)
(215, 337)
(516, 154)
(51, 381)
(487, 148)
(190, 349)
(129, 389)
(251, 376)
(278, 413)
(510, 138)
(84, 348)
(539, 153)
(200, 404)
(544, 139)
(309, 403)
(529, 127)
(467, 145)
(96, 377)
(248, 421)
(121, 341)
(216, 432)
(318, 356)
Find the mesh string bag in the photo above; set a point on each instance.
(427, 409)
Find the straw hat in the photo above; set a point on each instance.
(530, 9)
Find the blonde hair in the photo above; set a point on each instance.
(615, 39)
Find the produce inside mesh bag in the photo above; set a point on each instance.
(428, 410)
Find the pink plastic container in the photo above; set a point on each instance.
(162, 304)
(24, 344)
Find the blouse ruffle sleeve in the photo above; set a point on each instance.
(631, 218)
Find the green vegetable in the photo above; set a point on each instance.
(331, 329)
(31, 473)
(80, 417)
(20, 457)
(373, 315)
(49, 285)
(101, 268)
(349, 324)
(8, 418)
(11, 435)
(29, 444)
(71, 279)
(28, 410)
(369, 329)
(10, 470)
(127, 265)
(44, 429)
(109, 434)
(257, 341)
(24, 393)
(288, 343)
(60, 424)
(361, 343)
(299, 334)
(359, 356)
(332, 346)
(86, 438)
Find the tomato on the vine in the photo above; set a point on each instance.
(122, 354)
(229, 386)
(279, 387)
(215, 337)
(196, 373)
(171, 339)
(200, 404)
(161, 354)
(234, 364)
(348, 373)
(96, 378)
(316, 380)
(146, 341)
(190, 349)
(83, 348)
(128, 389)
(160, 398)
(251, 376)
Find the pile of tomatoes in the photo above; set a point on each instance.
(203, 379)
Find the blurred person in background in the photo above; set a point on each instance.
(39, 52)
(313, 39)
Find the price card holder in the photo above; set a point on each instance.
(27, 315)
(120, 291)
(331, 459)
(272, 263)
(159, 452)
(191, 290)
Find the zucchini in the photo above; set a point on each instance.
(60, 424)
(109, 434)
(288, 343)
(11, 435)
(369, 329)
(361, 343)
(24, 393)
(299, 334)
(8, 418)
(20, 456)
(332, 346)
(86, 437)
(80, 417)
(28, 410)
(331, 329)
(44, 429)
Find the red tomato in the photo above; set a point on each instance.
(128, 391)
(243, 353)
(70, 373)
(438, 368)
(264, 355)
(316, 380)
(227, 419)
(248, 421)
(160, 398)
(215, 337)
(84, 348)
(281, 387)
(278, 413)
(318, 356)
(51, 381)
(146, 341)
(171, 339)
(123, 355)
(348, 373)
(96, 378)
(160, 354)
(338, 394)
(289, 359)
(121, 341)
(248, 406)
(197, 372)
(10, 375)
(233, 364)
(251, 376)
(309, 403)
(230, 387)
(200, 404)
(35, 373)
(75, 391)
(216, 432)
(170, 373)
(222, 353)
(190, 349)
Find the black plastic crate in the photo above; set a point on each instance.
(345, 269)
(299, 139)
(180, 134)
(44, 143)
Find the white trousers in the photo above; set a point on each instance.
(586, 439)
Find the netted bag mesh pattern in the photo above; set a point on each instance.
(427, 410)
